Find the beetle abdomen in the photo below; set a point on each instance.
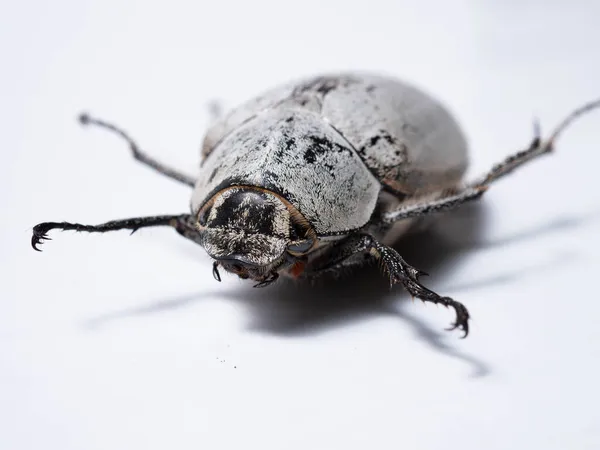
(407, 139)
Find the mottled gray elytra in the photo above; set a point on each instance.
(322, 174)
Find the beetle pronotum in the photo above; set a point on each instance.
(321, 174)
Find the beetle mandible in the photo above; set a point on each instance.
(321, 174)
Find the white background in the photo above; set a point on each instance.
(116, 342)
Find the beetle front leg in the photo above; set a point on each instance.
(138, 154)
(182, 223)
(398, 270)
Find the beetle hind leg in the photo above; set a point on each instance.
(444, 201)
(538, 146)
(398, 270)
(215, 109)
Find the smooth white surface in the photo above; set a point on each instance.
(117, 342)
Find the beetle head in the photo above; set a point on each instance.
(253, 233)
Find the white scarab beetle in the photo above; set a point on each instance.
(321, 174)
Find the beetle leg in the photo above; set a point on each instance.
(398, 270)
(446, 203)
(538, 146)
(182, 223)
(215, 109)
(473, 191)
(271, 278)
(138, 154)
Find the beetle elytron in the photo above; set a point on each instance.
(322, 174)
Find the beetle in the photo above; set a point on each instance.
(322, 174)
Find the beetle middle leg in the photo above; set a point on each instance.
(138, 154)
(398, 270)
(473, 191)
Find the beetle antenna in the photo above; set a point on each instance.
(138, 154)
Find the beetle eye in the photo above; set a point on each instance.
(203, 217)
(297, 231)
(300, 247)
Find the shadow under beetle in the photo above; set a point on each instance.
(323, 174)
